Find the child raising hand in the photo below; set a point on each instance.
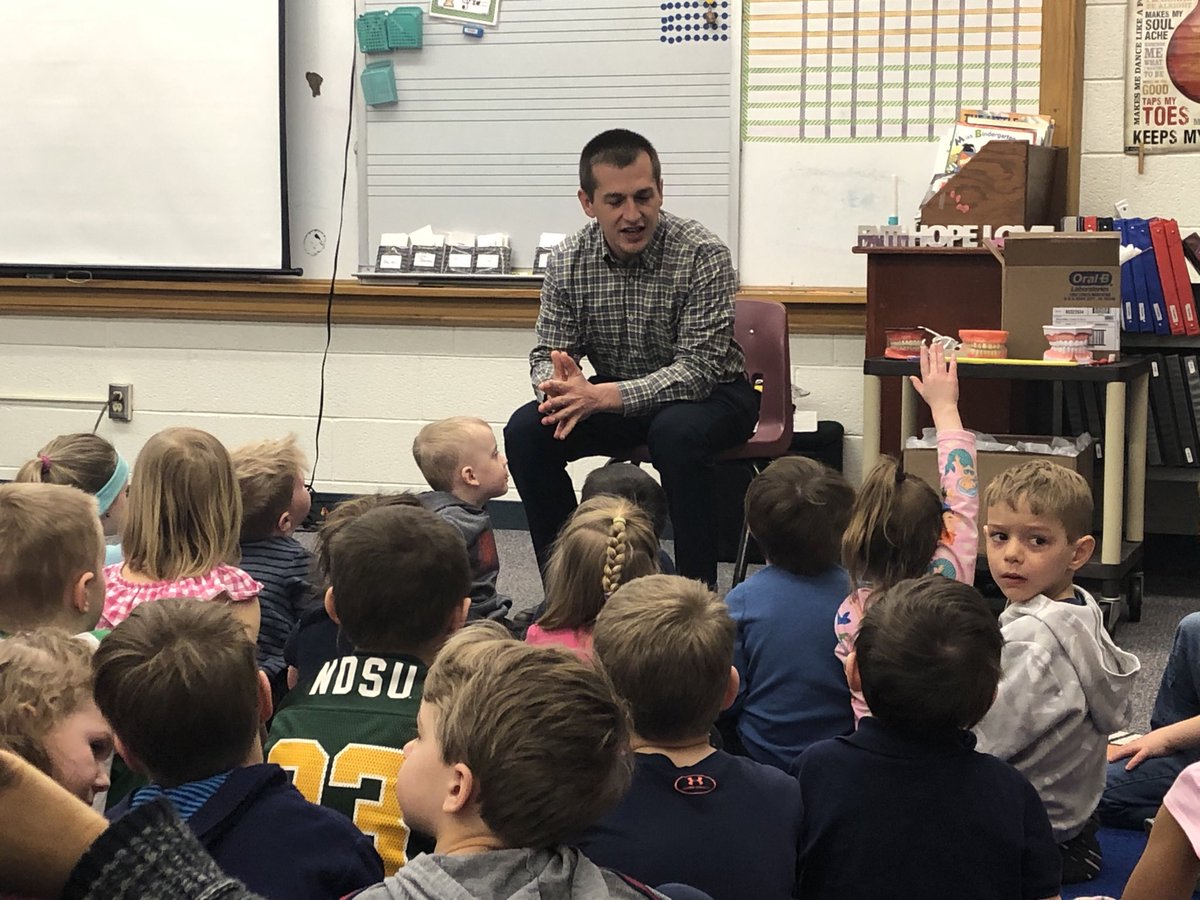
(900, 527)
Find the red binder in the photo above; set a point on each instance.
(1089, 223)
(1183, 282)
(1166, 276)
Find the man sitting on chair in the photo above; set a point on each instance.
(647, 297)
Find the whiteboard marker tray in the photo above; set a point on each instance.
(446, 279)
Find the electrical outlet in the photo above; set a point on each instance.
(120, 402)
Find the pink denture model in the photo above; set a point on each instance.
(1067, 344)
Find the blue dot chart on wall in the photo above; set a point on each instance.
(694, 21)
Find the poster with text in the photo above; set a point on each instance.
(1162, 76)
(476, 12)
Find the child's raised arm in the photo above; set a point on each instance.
(958, 548)
(938, 386)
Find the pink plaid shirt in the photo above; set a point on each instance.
(122, 596)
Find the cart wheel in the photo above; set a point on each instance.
(1133, 598)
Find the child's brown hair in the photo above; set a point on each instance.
(607, 542)
(543, 732)
(178, 683)
(1049, 490)
(267, 472)
(84, 461)
(797, 510)
(45, 677)
(185, 509)
(49, 537)
(667, 644)
(398, 574)
(346, 512)
(894, 528)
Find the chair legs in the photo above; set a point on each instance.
(742, 562)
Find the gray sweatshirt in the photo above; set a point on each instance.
(521, 874)
(475, 525)
(1065, 686)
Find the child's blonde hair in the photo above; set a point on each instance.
(438, 449)
(45, 677)
(185, 509)
(267, 472)
(667, 644)
(1049, 490)
(607, 542)
(894, 528)
(49, 537)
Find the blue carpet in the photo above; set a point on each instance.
(1122, 848)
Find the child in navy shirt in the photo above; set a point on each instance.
(275, 503)
(723, 824)
(792, 688)
(905, 806)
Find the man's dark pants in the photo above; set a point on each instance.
(684, 439)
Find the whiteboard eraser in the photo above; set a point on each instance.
(473, 31)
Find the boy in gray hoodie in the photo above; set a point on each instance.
(461, 461)
(517, 748)
(1065, 685)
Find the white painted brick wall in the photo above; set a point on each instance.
(245, 381)
(1107, 175)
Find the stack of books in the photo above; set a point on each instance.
(976, 127)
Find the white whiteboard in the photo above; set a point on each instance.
(141, 133)
(487, 132)
(842, 95)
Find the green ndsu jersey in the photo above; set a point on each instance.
(341, 737)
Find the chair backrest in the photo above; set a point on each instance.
(761, 328)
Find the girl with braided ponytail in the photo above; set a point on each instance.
(606, 543)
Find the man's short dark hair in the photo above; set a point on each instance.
(398, 573)
(617, 147)
(797, 510)
(178, 682)
(632, 483)
(929, 655)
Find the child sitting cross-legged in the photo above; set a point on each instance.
(518, 748)
(667, 643)
(179, 683)
(606, 543)
(51, 559)
(1066, 685)
(464, 466)
(792, 688)
(906, 806)
(398, 588)
(275, 502)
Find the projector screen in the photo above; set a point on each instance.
(142, 135)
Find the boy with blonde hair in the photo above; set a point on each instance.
(179, 684)
(51, 558)
(398, 589)
(1065, 685)
(275, 502)
(461, 461)
(667, 644)
(518, 749)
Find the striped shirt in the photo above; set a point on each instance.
(282, 565)
(186, 798)
(661, 325)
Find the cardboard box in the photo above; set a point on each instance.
(921, 462)
(1048, 272)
